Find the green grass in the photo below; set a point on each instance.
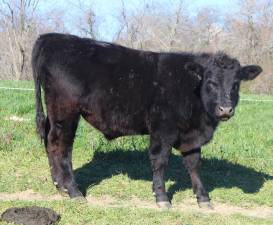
(237, 166)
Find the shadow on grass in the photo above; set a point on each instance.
(215, 173)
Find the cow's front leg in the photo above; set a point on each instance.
(59, 143)
(192, 161)
(159, 156)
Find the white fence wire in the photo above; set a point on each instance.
(19, 89)
(241, 99)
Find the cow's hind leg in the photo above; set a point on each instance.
(59, 141)
(159, 156)
(192, 161)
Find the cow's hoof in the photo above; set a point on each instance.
(79, 199)
(63, 192)
(205, 205)
(164, 205)
(75, 194)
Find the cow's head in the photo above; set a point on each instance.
(219, 88)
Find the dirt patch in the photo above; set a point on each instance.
(188, 205)
(227, 209)
(29, 195)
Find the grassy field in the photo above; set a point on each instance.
(116, 177)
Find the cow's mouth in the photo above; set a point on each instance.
(223, 118)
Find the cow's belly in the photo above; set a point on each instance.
(114, 118)
(116, 125)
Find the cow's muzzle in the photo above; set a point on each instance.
(224, 113)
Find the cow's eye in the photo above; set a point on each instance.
(211, 86)
(235, 87)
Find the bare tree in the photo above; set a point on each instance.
(87, 22)
(151, 27)
(130, 30)
(21, 22)
(18, 26)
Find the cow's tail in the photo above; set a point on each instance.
(40, 115)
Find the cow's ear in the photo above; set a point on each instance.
(250, 72)
(195, 69)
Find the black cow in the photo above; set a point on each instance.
(176, 98)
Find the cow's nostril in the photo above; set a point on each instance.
(225, 111)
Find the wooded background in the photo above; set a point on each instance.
(245, 31)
